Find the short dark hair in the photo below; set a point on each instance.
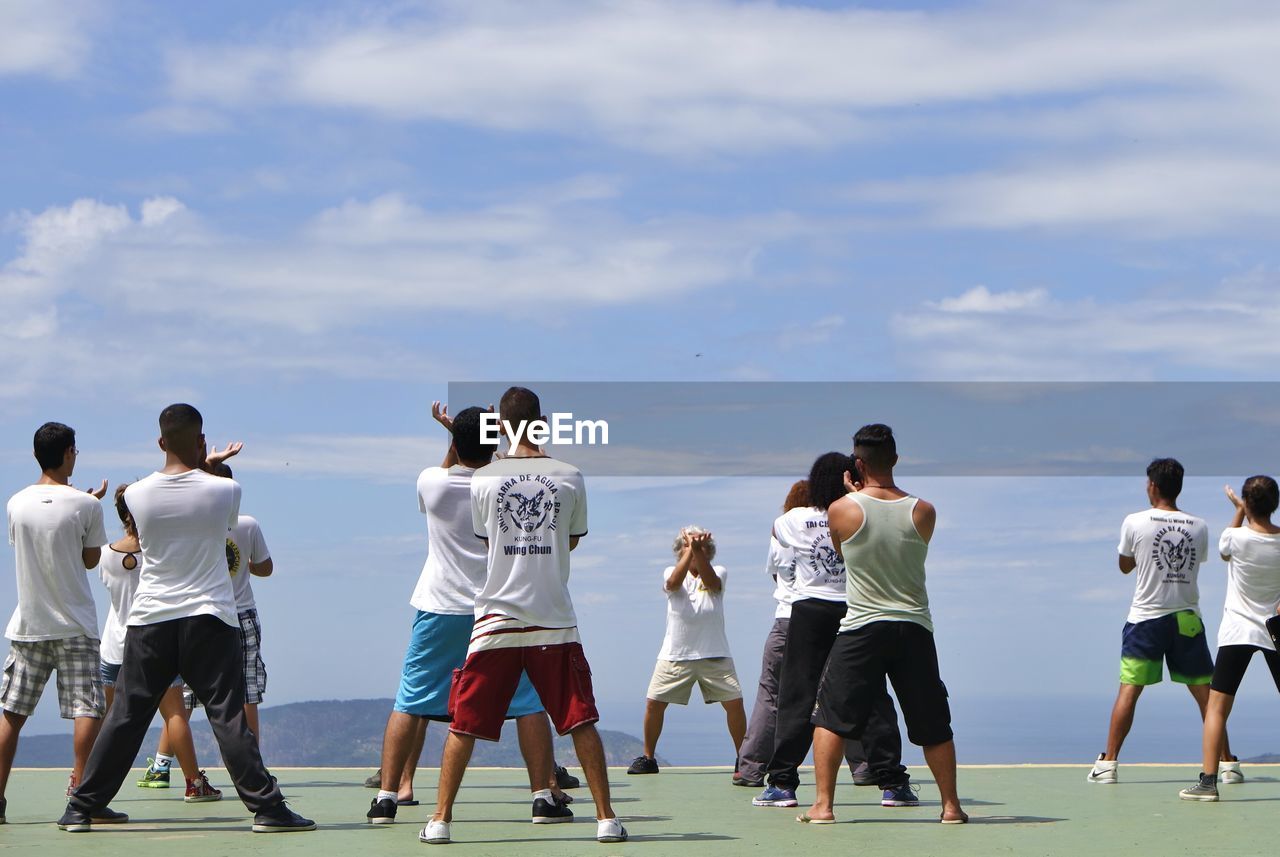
(798, 496)
(1166, 474)
(51, 443)
(467, 437)
(826, 479)
(520, 405)
(875, 445)
(180, 422)
(1261, 496)
(222, 469)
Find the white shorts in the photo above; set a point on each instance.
(673, 681)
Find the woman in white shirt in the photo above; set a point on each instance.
(1251, 549)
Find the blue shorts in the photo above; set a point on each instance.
(1177, 638)
(111, 672)
(437, 648)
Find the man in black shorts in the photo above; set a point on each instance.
(883, 534)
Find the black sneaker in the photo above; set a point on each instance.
(550, 811)
(643, 765)
(281, 820)
(78, 821)
(375, 781)
(566, 780)
(740, 780)
(382, 811)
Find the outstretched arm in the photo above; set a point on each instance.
(440, 413)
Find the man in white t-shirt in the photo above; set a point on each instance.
(532, 510)
(445, 600)
(182, 622)
(1166, 546)
(695, 649)
(57, 534)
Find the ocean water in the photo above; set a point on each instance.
(995, 729)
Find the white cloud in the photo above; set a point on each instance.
(1152, 195)
(44, 37)
(1228, 329)
(90, 274)
(698, 75)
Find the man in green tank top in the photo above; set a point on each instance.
(883, 534)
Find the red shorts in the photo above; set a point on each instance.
(483, 688)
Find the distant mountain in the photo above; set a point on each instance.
(331, 733)
(1264, 759)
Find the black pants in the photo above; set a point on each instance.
(205, 651)
(810, 635)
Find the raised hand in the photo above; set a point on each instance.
(216, 457)
(440, 413)
(1231, 495)
(100, 491)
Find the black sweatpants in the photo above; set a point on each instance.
(810, 635)
(205, 651)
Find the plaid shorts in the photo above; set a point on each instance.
(29, 665)
(255, 671)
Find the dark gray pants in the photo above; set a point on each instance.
(205, 651)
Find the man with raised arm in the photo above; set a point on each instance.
(532, 510)
(445, 600)
(1166, 546)
(57, 535)
(883, 534)
(182, 622)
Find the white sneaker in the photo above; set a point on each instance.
(1104, 772)
(435, 833)
(610, 830)
(1229, 773)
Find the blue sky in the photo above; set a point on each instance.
(308, 218)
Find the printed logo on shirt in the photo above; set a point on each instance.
(823, 556)
(528, 506)
(1174, 553)
(233, 558)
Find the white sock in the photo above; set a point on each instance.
(391, 796)
(164, 761)
(545, 794)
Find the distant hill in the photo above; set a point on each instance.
(1264, 759)
(331, 733)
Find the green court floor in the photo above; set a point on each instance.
(1022, 810)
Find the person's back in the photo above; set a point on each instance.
(49, 528)
(1168, 547)
(454, 570)
(119, 573)
(818, 571)
(183, 520)
(529, 508)
(885, 561)
(1253, 586)
(246, 546)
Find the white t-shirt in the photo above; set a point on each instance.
(1253, 587)
(695, 620)
(182, 525)
(1168, 548)
(528, 508)
(245, 545)
(781, 566)
(819, 568)
(455, 568)
(121, 584)
(50, 526)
